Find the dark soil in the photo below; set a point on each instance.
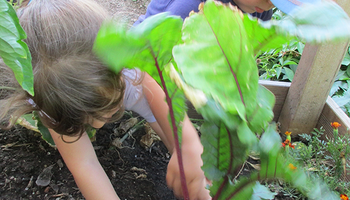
(135, 172)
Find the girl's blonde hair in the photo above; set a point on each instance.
(72, 87)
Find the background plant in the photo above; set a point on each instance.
(324, 158)
(280, 64)
(340, 90)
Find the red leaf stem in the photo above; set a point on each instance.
(176, 137)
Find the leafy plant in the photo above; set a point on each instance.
(13, 51)
(280, 63)
(324, 158)
(213, 64)
(340, 92)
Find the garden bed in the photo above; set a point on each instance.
(135, 172)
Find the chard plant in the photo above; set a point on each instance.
(209, 58)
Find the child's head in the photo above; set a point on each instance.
(72, 87)
(251, 6)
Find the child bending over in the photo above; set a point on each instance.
(74, 90)
(257, 8)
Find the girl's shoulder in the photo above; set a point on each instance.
(132, 74)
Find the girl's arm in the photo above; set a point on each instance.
(191, 147)
(81, 160)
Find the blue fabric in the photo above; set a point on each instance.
(288, 6)
(184, 7)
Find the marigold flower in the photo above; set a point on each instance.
(288, 133)
(335, 125)
(288, 143)
(291, 145)
(292, 167)
(344, 197)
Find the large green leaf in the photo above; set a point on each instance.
(144, 46)
(216, 57)
(315, 23)
(13, 50)
(263, 39)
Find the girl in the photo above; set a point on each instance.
(74, 90)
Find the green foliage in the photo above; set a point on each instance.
(340, 92)
(13, 50)
(214, 66)
(324, 158)
(280, 64)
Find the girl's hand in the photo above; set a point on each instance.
(191, 146)
(195, 179)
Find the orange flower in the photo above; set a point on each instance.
(335, 125)
(344, 197)
(292, 167)
(290, 144)
(287, 142)
(288, 133)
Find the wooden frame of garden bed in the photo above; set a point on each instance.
(305, 104)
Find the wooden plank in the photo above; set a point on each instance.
(310, 87)
(312, 81)
(333, 113)
(280, 90)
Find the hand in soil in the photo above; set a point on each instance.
(195, 179)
